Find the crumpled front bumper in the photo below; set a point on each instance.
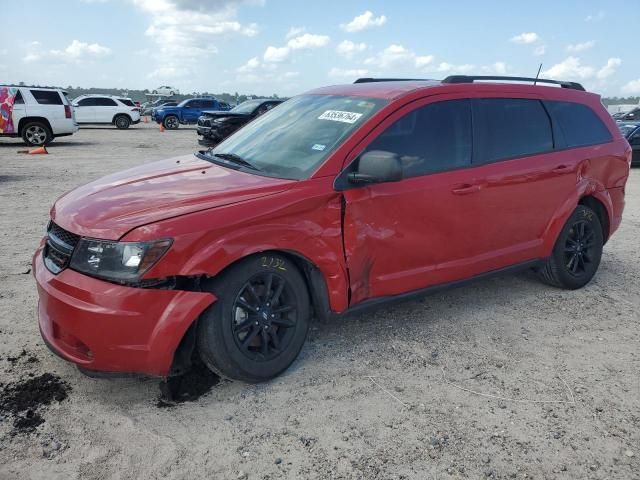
(105, 327)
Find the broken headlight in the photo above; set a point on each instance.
(121, 262)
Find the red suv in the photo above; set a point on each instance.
(342, 198)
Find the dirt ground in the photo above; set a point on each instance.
(505, 378)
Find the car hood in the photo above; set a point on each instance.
(224, 113)
(110, 207)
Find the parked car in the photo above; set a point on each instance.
(628, 116)
(106, 109)
(631, 131)
(186, 112)
(166, 90)
(215, 126)
(36, 114)
(344, 198)
(148, 109)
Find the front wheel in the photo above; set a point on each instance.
(577, 252)
(259, 323)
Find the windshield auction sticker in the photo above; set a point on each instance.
(339, 116)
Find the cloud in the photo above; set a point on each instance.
(363, 22)
(572, 68)
(526, 38)
(303, 42)
(308, 40)
(348, 48)
(445, 67)
(595, 17)
(609, 69)
(348, 73)
(185, 31)
(395, 56)
(295, 31)
(580, 47)
(76, 52)
(250, 66)
(632, 87)
(276, 54)
(540, 50)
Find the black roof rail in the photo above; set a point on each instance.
(374, 80)
(472, 78)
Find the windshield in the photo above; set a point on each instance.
(627, 129)
(293, 140)
(247, 107)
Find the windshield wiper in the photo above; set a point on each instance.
(237, 159)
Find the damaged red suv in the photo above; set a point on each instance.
(343, 198)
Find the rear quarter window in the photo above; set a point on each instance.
(579, 125)
(507, 128)
(47, 97)
(127, 102)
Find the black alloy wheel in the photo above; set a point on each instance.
(263, 316)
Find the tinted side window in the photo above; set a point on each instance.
(208, 104)
(579, 124)
(47, 97)
(87, 102)
(19, 100)
(510, 127)
(430, 139)
(105, 102)
(127, 102)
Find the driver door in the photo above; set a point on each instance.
(422, 230)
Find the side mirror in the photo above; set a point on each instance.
(377, 166)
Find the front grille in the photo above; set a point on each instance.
(59, 248)
(63, 236)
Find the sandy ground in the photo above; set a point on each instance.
(506, 378)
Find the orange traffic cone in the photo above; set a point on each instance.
(161, 127)
(38, 151)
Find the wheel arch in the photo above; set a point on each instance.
(601, 211)
(121, 114)
(314, 282)
(23, 121)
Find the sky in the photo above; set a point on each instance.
(290, 46)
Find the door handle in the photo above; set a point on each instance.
(563, 169)
(466, 189)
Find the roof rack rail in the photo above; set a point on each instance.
(373, 80)
(473, 78)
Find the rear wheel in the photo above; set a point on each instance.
(577, 253)
(36, 134)
(122, 122)
(171, 122)
(259, 323)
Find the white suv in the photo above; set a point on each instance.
(118, 111)
(36, 114)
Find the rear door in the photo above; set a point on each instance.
(48, 104)
(106, 108)
(522, 180)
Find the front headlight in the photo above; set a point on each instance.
(120, 262)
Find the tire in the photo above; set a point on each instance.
(36, 134)
(245, 337)
(122, 122)
(171, 122)
(171, 93)
(577, 252)
(155, 92)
